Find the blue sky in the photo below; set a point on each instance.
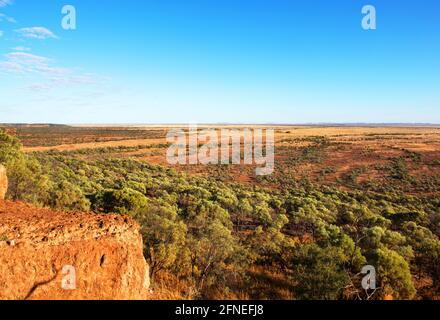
(210, 61)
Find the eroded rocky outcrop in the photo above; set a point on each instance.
(39, 247)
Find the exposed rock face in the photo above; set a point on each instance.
(36, 244)
(3, 182)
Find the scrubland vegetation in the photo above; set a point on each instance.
(282, 237)
(52, 135)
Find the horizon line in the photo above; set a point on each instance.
(225, 124)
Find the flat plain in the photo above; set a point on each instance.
(345, 156)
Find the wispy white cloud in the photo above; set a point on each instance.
(41, 87)
(11, 67)
(27, 59)
(1, 33)
(47, 73)
(7, 18)
(36, 33)
(22, 63)
(4, 3)
(31, 64)
(49, 70)
(22, 49)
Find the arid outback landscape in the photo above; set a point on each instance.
(341, 197)
(340, 156)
